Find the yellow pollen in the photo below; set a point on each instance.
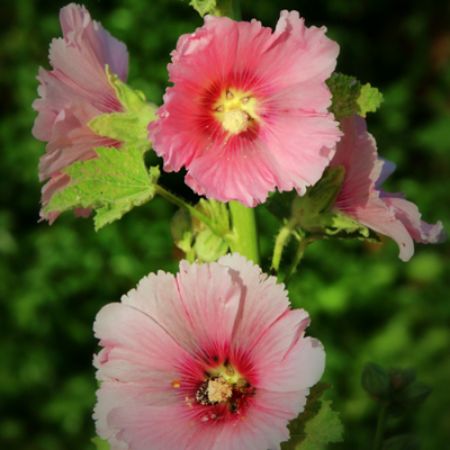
(235, 110)
(235, 121)
(219, 390)
(176, 384)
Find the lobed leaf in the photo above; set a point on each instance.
(350, 97)
(318, 426)
(112, 184)
(204, 7)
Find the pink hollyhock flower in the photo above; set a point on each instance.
(361, 196)
(212, 358)
(73, 93)
(247, 112)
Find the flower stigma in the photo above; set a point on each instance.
(235, 110)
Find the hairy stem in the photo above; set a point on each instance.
(281, 241)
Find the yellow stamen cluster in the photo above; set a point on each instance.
(219, 390)
(235, 110)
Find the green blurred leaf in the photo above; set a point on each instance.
(409, 398)
(402, 442)
(375, 380)
(112, 184)
(435, 135)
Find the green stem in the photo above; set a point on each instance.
(281, 241)
(245, 234)
(381, 425)
(193, 211)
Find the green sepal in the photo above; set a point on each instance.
(307, 211)
(111, 184)
(204, 7)
(129, 126)
(317, 426)
(339, 225)
(350, 97)
(315, 214)
(197, 240)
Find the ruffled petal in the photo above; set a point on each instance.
(292, 136)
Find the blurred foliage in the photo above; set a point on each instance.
(365, 304)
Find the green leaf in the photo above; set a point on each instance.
(326, 428)
(317, 426)
(100, 444)
(369, 100)
(129, 126)
(345, 91)
(350, 97)
(204, 7)
(112, 184)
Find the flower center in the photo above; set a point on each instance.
(224, 385)
(235, 110)
(218, 390)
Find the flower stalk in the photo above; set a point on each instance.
(245, 239)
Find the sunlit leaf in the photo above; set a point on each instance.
(111, 184)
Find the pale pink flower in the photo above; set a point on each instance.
(247, 112)
(212, 358)
(75, 91)
(363, 199)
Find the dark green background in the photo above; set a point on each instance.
(365, 304)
